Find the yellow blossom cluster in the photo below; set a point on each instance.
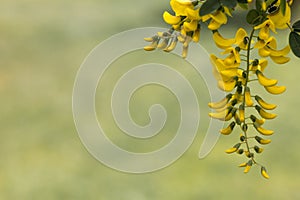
(236, 71)
(186, 21)
(242, 62)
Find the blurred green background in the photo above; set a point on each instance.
(43, 44)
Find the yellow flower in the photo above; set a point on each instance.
(258, 65)
(193, 14)
(234, 56)
(170, 19)
(269, 48)
(265, 27)
(226, 75)
(218, 18)
(196, 35)
(234, 148)
(241, 39)
(220, 64)
(280, 21)
(182, 9)
(180, 6)
(222, 42)
(185, 23)
(190, 26)
(186, 18)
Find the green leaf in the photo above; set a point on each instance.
(208, 7)
(258, 5)
(283, 7)
(253, 17)
(294, 40)
(296, 26)
(229, 3)
(242, 1)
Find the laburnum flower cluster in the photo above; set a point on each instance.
(186, 22)
(241, 65)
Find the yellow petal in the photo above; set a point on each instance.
(222, 42)
(190, 26)
(264, 52)
(193, 14)
(240, 35)
(227, 86)
(231, 150)
(260, 44)
(281, 52)
(229, 73)
(170, 19)
(272, 43)
(206, 17)
(214, 25)
(219, 17)
(263, 64)
(276, 89)
(180, 6)
(243, 164)
(217, 63)
(196, 35)
(264, 33)
(264, 173)
(267, 23)
(280, 59)
(280, 21)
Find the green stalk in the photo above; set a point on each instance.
(246, 83)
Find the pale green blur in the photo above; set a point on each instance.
(42, 45)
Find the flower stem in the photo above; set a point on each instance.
(246, 83)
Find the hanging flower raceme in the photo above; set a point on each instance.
(235, 72)
(185, 27)
(240, 65)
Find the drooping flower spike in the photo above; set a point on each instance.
(240, 65)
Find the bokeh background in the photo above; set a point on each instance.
(43, 44)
